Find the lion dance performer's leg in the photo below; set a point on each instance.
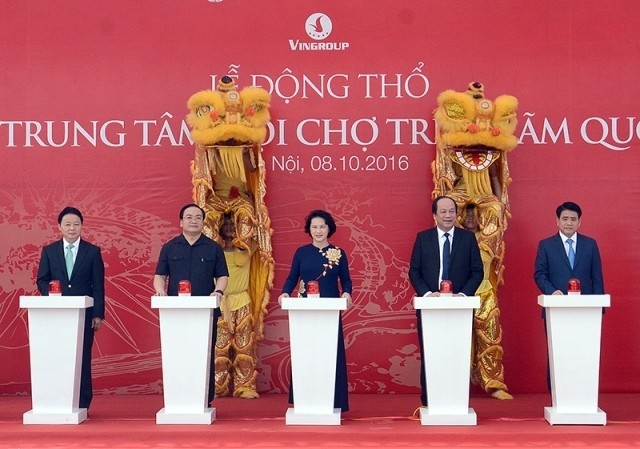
(244, 347)
(222, 362)
(487, 341)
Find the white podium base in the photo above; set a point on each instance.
(207, 417)
(306, 419)
(553, 416)
(439, 419)
(76, 416)
(446, 339)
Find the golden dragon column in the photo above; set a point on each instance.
(228, 127)
(473, 139)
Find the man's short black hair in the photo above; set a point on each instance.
(569, 205)
(187, 207)
(434, 205)
(69, 210)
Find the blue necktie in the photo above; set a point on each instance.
(572, 253)
(446, 256)
(68, 258)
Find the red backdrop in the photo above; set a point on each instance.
(93, 97)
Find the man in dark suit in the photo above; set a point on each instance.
(553, 267)
(78, 265)
(567, 255)
(430, 264)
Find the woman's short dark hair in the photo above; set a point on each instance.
(326, 216)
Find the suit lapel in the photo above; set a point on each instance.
(559, 248)
(433, 242)
(82, 254)
(432, 260)
(455, 243)
(578, 253)
(59, 256)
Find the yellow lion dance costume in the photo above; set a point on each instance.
(473, 139)
(228, 174)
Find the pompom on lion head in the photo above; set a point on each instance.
(226, 116)
(469, 119)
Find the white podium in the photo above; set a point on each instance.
(185, 341)
(447, 323)
(574, 324)
(56, 335)
(313, 335)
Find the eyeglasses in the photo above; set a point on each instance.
(191, 217)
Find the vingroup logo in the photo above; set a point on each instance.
(318, 27)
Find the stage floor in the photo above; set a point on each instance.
(376, 421)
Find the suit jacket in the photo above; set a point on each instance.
(553, 271)
(87, 277)
(465, 271)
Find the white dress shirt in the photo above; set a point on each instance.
(441, 240)
(574, 240)
(74, 250)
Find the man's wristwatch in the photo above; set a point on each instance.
(219, 291)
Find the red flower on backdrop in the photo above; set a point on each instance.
(234, 192)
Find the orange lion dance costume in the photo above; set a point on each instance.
(228, 174)
(474, 137)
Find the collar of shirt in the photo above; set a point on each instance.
(74, 250)
(574, 239)
(441, 235)
(198, 241)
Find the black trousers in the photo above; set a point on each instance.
(212, 361)
(86, 385)
(423, 376)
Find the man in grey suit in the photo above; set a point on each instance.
(78, 265)
(430, 264)
(568, 255)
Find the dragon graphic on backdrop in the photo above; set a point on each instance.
(473, 139)
(228, 127)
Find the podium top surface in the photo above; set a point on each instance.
(185, 302)
(56, 302)
(574, 300)
(446, 302)
(314, 303)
